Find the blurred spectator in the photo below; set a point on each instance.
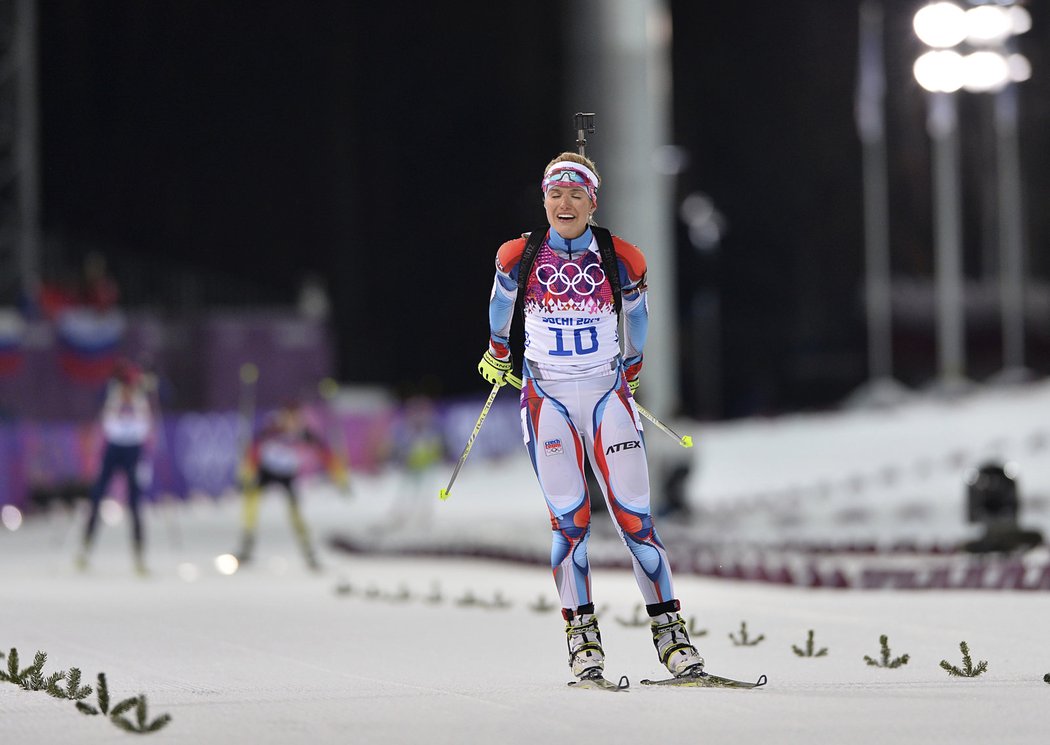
(98, 289)
(418, 446)
(56, 295)
(313, 300)
(94, 289)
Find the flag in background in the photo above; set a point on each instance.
(89, 343)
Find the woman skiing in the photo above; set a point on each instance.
(578, 382)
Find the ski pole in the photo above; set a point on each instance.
(444, 493)
(684, 440)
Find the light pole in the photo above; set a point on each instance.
(1011, 234)
(881, 389)
(968, 51)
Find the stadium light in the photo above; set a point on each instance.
(985, 66)
(970, 49)
(940, 71)
(940, 25)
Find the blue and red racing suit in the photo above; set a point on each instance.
(575, 400)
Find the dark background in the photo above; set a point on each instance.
(219, 152)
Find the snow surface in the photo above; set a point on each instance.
(366, 652)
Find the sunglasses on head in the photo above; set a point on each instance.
(567, 175)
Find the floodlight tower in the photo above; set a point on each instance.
(970, 50)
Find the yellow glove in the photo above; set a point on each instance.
(632, 385)
(495, 370)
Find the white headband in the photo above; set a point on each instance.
(571, 165)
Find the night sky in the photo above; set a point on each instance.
(233, 148)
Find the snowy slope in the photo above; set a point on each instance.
(358, 654)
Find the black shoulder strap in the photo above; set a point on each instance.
(528, 258)
(609, 263)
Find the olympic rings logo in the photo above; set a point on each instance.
(559, 280)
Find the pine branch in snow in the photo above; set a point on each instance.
(694, 630)
(103, 694)
(51, 685)
(344, 588)
(498, 602)
(435, 595)
(124, 705)
(74, 691)
(467, 599)
(11, 675)
(32, 678)
(542, 605)
(141, 725)
(969, 670)
(636, 620)
(885, 660)
(744, 641)
(808, 651)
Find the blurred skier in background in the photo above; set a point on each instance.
(417, 446)
(277, 456)
(127, 423)
(577, 398)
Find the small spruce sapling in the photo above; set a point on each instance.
(31, 679)
(744, 641)
(636, 620)
(885, 660)
(498, 602)
(694, 630)
(74, 691)
(542, 605)
(27, 677)
(102, 694)
(809, 649)
(141, 724)
(969, 670)
(467, 599)
(1046, 678)
(11, 675)
(344, 588)
(435, 595)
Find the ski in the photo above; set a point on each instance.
(601, 684)
(706, 680)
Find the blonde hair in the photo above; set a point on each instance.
(583, 160)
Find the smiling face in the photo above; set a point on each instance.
(568, 210)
